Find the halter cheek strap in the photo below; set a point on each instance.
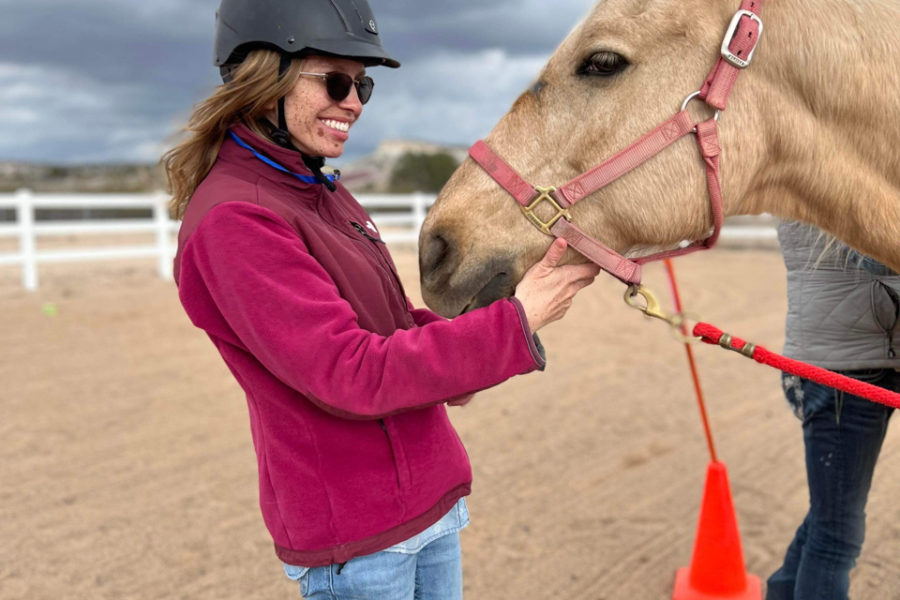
(737, 50)
(560, 225)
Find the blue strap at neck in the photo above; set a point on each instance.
(272, 163)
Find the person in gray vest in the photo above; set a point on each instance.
(842, 315)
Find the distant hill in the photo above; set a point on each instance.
(372, 173)
(375, 172)
(124, 178)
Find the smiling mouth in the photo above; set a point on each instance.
(341, 126)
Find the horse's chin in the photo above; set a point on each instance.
(500, 286)
(454, 301)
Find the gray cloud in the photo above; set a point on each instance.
(110, 80)
(448, 98)
(518, 26)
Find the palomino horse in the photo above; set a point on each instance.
(810, 132)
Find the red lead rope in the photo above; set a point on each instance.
(713, 335)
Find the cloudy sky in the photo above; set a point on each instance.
(112, 80)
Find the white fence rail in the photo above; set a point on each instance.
(398, 216)
(401, 215)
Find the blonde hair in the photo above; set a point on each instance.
(253, 89)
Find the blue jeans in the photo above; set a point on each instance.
(425, 567)
(842, 434)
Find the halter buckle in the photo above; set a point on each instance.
(731, 58)
(545, 194)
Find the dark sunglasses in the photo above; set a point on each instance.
(338, 85)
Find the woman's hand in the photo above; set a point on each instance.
(546, 290)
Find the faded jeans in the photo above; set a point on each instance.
(842, 434)
(427, 566)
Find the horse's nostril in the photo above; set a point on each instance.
(434, 253)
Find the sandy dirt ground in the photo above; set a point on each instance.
(127, 471)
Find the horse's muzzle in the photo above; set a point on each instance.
(450, 288)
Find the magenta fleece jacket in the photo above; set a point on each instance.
(345, 381)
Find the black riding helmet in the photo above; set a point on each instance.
(342, 28)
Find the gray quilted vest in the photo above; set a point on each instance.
(843, 307)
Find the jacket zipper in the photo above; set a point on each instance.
(365, 233)
(402, 482)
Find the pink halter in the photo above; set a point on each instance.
(737, 50)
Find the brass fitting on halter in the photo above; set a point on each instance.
(652, 308)
(545, 194)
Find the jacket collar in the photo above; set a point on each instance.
(289, 159)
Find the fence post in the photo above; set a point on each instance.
(161, 218)
(418, 206)
(25, 216)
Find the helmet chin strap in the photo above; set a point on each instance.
(281, 136)
(279, 133)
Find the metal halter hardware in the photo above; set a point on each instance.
(725, 51)
(741, 38)
(545, 194)
(652, 308)
(697, 95)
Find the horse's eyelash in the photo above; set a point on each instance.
(612, 63)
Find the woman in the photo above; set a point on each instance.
(361, 475)
(843, 313)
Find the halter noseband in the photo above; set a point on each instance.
(737, 50)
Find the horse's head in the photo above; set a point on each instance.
(627, 67)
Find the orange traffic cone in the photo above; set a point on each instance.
(717, 566)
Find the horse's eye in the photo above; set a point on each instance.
(603, 64)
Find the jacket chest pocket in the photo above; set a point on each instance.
(359, 262)
(374, 247)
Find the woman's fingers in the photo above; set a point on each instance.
(546, 290)
(554, 253)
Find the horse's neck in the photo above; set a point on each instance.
(838, 55)
(827, 96)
